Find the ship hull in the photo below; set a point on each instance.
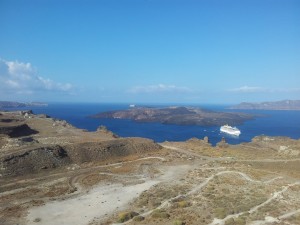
(230, 130)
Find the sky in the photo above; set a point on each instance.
(150, 51)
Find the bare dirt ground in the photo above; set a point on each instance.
(178, 183)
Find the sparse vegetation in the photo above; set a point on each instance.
(178, 222)
(124, 216)
(159, 213)
(220, 213)
(138, 218)
(182, 204)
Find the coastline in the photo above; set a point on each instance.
(268, 124)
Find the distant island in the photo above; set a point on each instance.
(279, 105)
(9, 104)
(178, 115)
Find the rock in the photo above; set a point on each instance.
(200, 142)
(34, 160)
(223, 140)
(43, 116)
(27, 112)
(205, 139)
(103, 129)
(17, 130)
(222, 143)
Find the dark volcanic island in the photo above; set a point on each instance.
(178, 115)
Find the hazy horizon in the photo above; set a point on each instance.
(150, 52)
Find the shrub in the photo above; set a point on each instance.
(229, 221)
(138, 218)
(182, 204)
(124, 216)
(178, 222)
(240, 221)
(158, 213)
(220, 213)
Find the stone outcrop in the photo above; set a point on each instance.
(34, 160)
(49, 157)
(19, 130)
(222, 143)
(199, 142)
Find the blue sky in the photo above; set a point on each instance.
(150, 51)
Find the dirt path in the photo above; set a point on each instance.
(196, 189)
(73, 180)
(255, 208)
(78, 172)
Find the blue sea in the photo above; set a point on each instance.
(271, 123)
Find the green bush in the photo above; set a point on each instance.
(138, 218)
(182, 204)
(240, 221)
(124, 216)
(178, 222)
(158, 213)
(229, 221)
(220, 213)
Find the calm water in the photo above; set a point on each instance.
(273, 123)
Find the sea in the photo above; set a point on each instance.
(269, 123)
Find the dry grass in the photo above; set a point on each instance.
(93, 179)
(159, 213)
(229, 195)
(125, 216)
(125, 168)
(288, 168)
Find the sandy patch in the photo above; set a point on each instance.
(99, 203)
(95, 204)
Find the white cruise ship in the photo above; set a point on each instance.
(230, 130)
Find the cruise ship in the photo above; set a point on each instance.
(230, 130)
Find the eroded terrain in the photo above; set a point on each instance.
(53, 173)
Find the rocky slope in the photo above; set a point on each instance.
(31, 143)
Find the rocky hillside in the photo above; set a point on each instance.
(280, 105)
(8, 104)
(35, 143)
